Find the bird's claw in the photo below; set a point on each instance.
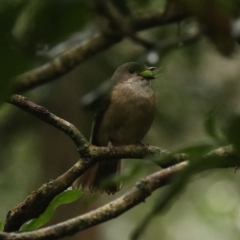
(111, 147)
(145, 145)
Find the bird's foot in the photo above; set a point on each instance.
(145, 145)
(111, 147)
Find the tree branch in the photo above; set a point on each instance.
(219, 158)
(76, 55)
(138, 194)
(85, 149)
(43, 114)
(38, 200)
(179, 183)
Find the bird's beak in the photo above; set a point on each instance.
(148, 74)
(151, 68)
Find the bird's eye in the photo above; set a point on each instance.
(131, 71)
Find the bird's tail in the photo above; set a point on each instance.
(93, 178)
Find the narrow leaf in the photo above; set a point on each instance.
(65, 197)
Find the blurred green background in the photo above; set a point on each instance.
(193, 79)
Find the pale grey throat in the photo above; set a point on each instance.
(141, 84)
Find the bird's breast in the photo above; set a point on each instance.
(129, 115)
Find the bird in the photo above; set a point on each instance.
(124, 119)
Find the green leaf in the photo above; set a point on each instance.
(193, 154)
(147, 74)
(197, 151)
(65, 197)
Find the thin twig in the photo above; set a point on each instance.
(43, 114)
(119, 24)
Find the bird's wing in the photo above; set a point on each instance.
(97, 121)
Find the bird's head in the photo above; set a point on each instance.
(133, 71)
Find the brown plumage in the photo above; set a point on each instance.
(125, 119)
